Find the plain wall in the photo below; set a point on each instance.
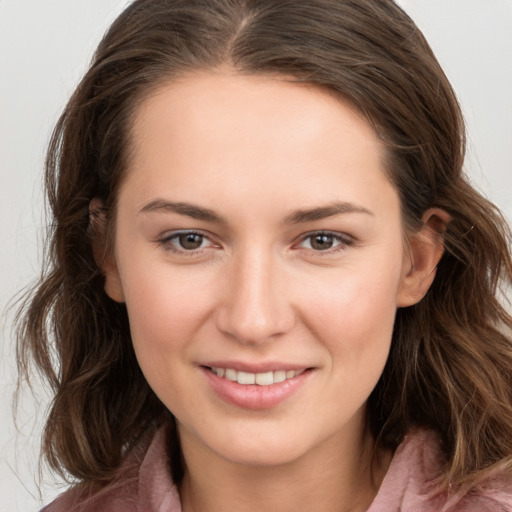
(45, 46)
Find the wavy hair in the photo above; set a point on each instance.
(450, 363)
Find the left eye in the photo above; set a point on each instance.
(323, 241)
(190, 241)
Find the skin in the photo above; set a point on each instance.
(255, 151)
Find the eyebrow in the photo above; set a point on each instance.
(188, 209)
(294, 217)
(322, 212)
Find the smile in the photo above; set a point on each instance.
(260, 379)
(260, 389)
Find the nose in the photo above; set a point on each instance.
(255, 306)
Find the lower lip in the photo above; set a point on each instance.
(253, 396)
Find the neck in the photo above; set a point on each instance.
(341, 475)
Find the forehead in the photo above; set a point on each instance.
(224, 134)
(280, 105)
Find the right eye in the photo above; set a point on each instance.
(185, 242)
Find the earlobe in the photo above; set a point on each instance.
(424, 253)
(105, 259)
(113, 286)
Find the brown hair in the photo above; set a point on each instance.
(450, 363)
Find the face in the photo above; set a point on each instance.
(259, 250)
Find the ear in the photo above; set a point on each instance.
(104, 256)
(423, 254)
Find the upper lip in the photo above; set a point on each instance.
(261, 367)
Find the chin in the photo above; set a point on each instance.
(260, 449)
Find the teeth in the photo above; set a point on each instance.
(279, 376)
(246, 378)
(230, 374)
(262, 379)
(265, 379)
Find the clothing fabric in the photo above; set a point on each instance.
(144, 484)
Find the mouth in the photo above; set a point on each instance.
(260, 379)
(261, 388)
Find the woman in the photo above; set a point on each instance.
(270, 286)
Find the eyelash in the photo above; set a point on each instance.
(344, 241)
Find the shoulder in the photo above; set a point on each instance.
(409, 485)
(142, 484)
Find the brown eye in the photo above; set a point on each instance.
(190, 241)
(327, 242)
(321, 242)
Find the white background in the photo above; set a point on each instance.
(45, 46)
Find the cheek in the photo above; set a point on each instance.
(165, 309)
(354, 313)
(165, 315)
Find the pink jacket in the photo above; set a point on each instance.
(144, 484)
